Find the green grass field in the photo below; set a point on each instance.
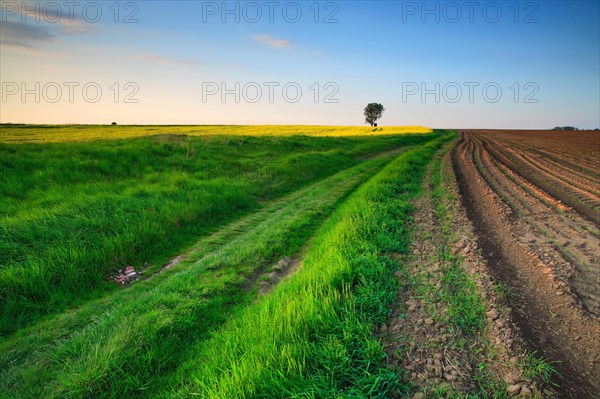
(72, 212)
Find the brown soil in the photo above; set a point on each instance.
(418, 338)
(564, 164)
(282, 269)
(172, 263)
(544, 251)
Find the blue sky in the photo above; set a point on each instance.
(442, 64)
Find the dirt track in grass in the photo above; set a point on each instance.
(430, 337)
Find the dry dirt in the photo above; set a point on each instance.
(281, 270)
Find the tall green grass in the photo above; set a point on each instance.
(130, 344)
(73, 213)
(312, 338)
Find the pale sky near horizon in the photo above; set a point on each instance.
(493, 64)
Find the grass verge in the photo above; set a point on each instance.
(465, 308)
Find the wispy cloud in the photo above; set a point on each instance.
(24, 34)
(75, 27)
(25, 39)
(159, 59)
(271, 41)
(35, 36)
(65, 23)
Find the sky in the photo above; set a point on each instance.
(454, 64)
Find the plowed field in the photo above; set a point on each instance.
(535, 199)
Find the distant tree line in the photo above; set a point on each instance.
(565, 128)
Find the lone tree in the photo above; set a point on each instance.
(373, 111)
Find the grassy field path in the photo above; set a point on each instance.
(73, 213)
(131, 342)
(312, 336)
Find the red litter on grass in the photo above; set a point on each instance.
(126, 276)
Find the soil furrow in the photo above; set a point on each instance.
(564, 174)
(566, 194)
(550, 319)
(553, 162)
(563, 244)
(433, 335)
(583, 194)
